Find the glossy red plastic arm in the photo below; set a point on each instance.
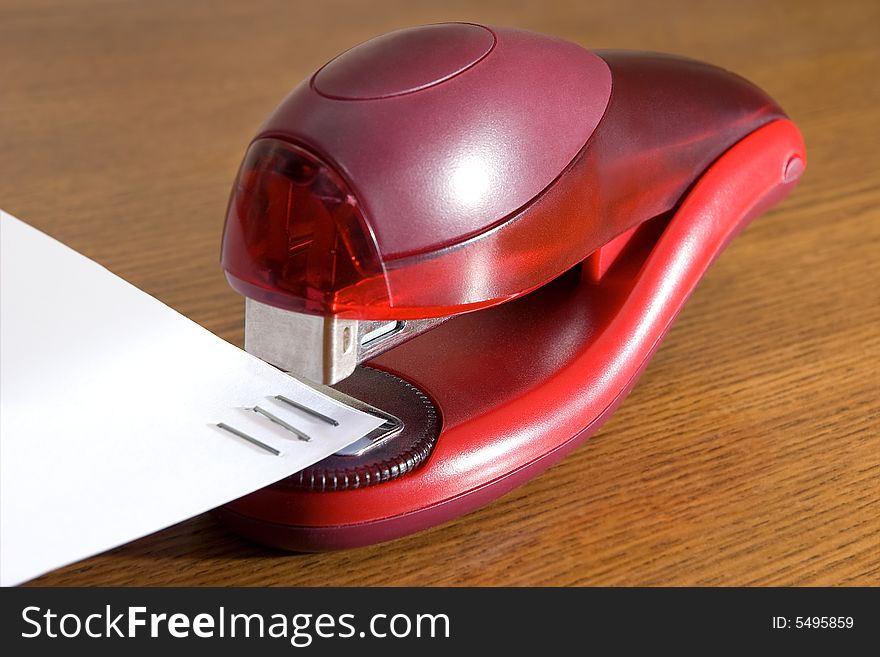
(471, 177)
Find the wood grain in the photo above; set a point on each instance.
(747, 454)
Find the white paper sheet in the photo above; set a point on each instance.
(108, 401)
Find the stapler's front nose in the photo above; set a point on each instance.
(298, 247)
(296, 237)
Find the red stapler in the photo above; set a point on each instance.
(484, 233)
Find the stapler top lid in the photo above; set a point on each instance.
(447, 168)
(404, 152)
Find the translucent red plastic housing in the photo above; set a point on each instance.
(443, 198)
(295, 236)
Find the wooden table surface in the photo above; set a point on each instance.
(747, 454)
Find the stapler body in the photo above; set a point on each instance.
(485, 233)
